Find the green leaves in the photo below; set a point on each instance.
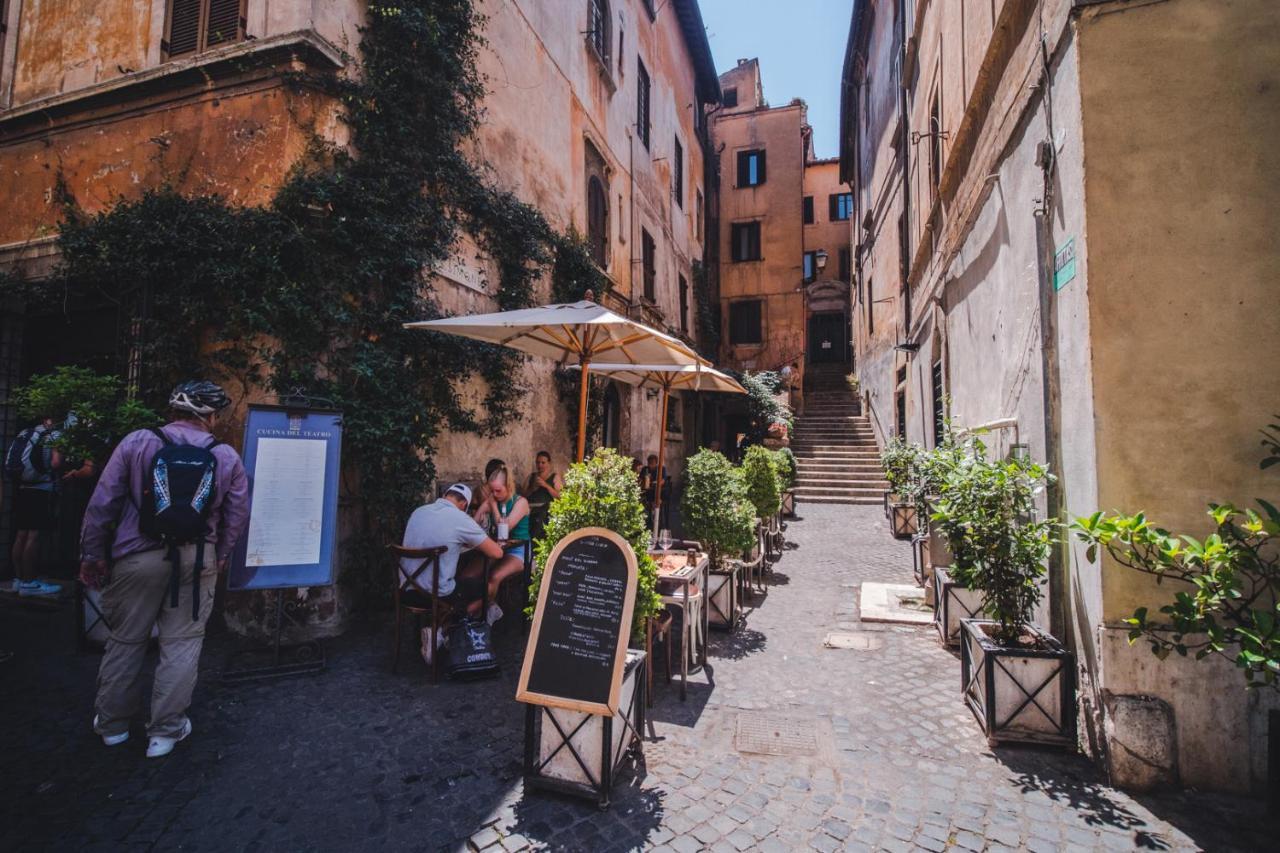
(716, 509)
(91, 410)
(759, 472)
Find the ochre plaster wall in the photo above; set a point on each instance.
(238, 144)
(777, 276)
(1183, 187)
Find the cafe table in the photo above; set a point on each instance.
(677, 574)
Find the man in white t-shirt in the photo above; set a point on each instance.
(446, 523)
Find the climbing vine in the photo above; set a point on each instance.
(311, 290)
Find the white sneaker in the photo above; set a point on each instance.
(110, 740)
(441, 642)
(162, 746)
(493, 614)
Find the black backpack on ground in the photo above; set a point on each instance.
(471, 654)
(177, 497)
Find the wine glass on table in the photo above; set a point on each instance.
(664, 540)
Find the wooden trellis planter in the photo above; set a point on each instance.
(1019, 695)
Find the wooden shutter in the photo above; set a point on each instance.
(183, 27)
(679, 172)
(684, 304)
(642, 103)
(225, 22)
(760, 174)
(833, 207)
(808, 210)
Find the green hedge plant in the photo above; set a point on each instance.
(785, 461)
(715, 508)
(601, 492)
(900, 460)
(94, 410)
(764, 486)
(987, 510)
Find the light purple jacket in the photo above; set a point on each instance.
(119, 494)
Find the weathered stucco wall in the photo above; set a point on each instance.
(238, 143)
(1183, 188)
(777, 277)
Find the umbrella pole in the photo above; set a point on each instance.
(662, 446)
(582, 411)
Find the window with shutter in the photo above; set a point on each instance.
(839, 206)
(810, 266)
(678, 173)
(729, 97)
(648, 252)
(939, 409)
(193, 26)
(684, 304)
(846, 267)
(744, 238)
(598, 221)
(642, 103)
(751, 168)
(808, 210)
(598, 28)
(745, 326)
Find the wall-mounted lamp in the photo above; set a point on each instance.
(907, 348)
(821, 259)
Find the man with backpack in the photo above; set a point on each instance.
(167, 512)
(30, 464)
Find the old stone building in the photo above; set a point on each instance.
(1064, 229)
(593, 113)
(783, 215)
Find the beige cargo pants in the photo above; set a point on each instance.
(136, 599)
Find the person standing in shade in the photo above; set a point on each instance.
(31, 464)
(140, 576)
(543, 487)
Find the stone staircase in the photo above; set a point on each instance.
(837, 459)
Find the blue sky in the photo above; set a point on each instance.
(800, 45)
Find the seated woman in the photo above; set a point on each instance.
(543, 487)
(501, 505)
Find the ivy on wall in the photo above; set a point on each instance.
(311, 290)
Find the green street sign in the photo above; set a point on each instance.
(1064, 264)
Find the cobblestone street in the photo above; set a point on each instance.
(358, 759)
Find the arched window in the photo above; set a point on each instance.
(598, 28)
(598, 221)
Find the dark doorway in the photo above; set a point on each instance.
(828, 338)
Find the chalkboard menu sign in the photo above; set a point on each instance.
(578, 640)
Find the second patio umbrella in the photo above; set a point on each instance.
(580, 332)
(686, 377)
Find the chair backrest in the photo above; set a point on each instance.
(686, 544)
(428, 556)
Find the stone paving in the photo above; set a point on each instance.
(358, 759)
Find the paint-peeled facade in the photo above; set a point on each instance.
(1106, 162)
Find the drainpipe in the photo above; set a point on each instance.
(1051, 398)
(905, 144)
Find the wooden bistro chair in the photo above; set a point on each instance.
(658, 628)
(417, 601)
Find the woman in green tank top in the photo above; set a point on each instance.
(501, 506)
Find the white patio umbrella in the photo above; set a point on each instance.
(683, 377)
(580, 332)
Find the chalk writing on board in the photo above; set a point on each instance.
(288, 502)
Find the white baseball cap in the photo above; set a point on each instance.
(462, 490)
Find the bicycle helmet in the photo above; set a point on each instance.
(199, 397)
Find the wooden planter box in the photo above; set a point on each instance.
(789, 504)
(1019, 695)
(722, 596)
(952, 603)
(939, 548)
(902, 519)
(580, 754)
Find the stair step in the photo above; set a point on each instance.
(838, 499)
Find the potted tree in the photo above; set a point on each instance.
(718, 513)
(764, 491)
(900, 461)
(599, 492)
(1018, 680)
(785, 461)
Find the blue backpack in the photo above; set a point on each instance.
(27, 461)
(177, 498)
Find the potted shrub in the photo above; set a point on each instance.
(764, 491)
(950, 509)
(900, 461)
(718, 514)
(1017, 679)
(599, 492)
(932, 469)
(785, 461)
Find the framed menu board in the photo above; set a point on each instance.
(292, 457)
(578, 640)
